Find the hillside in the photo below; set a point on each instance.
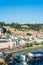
(20, 32)
(22, 29)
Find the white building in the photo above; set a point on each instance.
(22, 42)
(39, 39)
(5, 42)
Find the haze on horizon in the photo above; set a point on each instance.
(21, 11)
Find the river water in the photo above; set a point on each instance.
(34, 61)
(25, 63)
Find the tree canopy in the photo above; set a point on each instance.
(36, 27)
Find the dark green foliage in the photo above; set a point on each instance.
(42, 43)
(4, 30)
(1, 64)
(8, 31)
(35, 43)
(15, 25)
(28, 44)
(2, 24)
(36, 27)
(29, 34)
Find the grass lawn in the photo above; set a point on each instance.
(33, 48)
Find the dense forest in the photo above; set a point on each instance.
(36, 27)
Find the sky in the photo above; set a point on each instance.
(21, 11)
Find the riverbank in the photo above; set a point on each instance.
(28, 49)
(23, 50)
(33, 48)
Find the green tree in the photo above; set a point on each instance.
(35, 43)
(16, 25)
(28, 44)
(4, 30)
(42, 43)
(8, 31)
(36, 27)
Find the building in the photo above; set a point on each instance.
(5, 42)
(39, 40)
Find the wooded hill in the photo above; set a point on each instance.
(15, 27)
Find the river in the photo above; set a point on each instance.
(24, 59)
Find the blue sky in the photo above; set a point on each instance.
(21, 11)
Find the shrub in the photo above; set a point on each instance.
(9, 32)
(35, 43)
(29, 44)
(42, 43)
(4, 30)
